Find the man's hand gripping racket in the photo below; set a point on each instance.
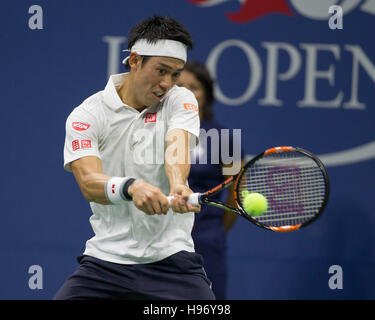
(294, 182)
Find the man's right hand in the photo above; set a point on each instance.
(148, 198)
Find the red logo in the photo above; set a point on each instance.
(150, 117)
(80, 126)
(317, 10)
(252, 9)
(75, 145)
(83, 144)
(86, 144)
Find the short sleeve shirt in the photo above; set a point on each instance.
(132, 143)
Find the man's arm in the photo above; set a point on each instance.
(177, 167)
(90, 178)
(92, 182)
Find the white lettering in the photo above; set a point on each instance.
(36, 280)
(36, 20)
(171, 311)
(113, 53)
(255, 70)
(231, 164)
(213, 134)
(336, 280)
(312, 74)
(272, 76)
(359, 58)
(336, 20)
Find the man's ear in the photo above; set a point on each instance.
(135, 60)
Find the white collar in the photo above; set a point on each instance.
(111, 97)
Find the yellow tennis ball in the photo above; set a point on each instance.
(254, 203)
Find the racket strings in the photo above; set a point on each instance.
(292, 183)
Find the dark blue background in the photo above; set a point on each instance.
(46, 73)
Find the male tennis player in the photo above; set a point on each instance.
(142, 248)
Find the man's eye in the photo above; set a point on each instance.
(162, 71)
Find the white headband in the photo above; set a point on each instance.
(161, 48)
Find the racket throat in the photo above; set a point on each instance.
(225, 207)
(205, 200)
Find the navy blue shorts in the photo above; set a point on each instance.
(178, 277)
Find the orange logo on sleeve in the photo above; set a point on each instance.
(190, 106)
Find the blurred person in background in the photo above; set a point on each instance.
(212, 223)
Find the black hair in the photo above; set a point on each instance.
(202, 74)
(159, 28)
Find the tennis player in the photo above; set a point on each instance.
(121, 145)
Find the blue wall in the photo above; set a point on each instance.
(46, 73)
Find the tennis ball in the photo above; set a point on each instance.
(254, 203)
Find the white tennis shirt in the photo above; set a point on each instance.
(131, 143)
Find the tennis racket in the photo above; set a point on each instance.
(293, 180)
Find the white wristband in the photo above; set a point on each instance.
(114, 190)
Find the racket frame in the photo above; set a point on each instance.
(204, 198)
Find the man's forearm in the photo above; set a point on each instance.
(177, 173)
(93, 187)
(177, 159)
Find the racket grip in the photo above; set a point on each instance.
(193, 199)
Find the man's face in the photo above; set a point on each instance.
(154, 78)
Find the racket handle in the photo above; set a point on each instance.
(193, 199)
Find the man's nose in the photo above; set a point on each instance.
(166, 83)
